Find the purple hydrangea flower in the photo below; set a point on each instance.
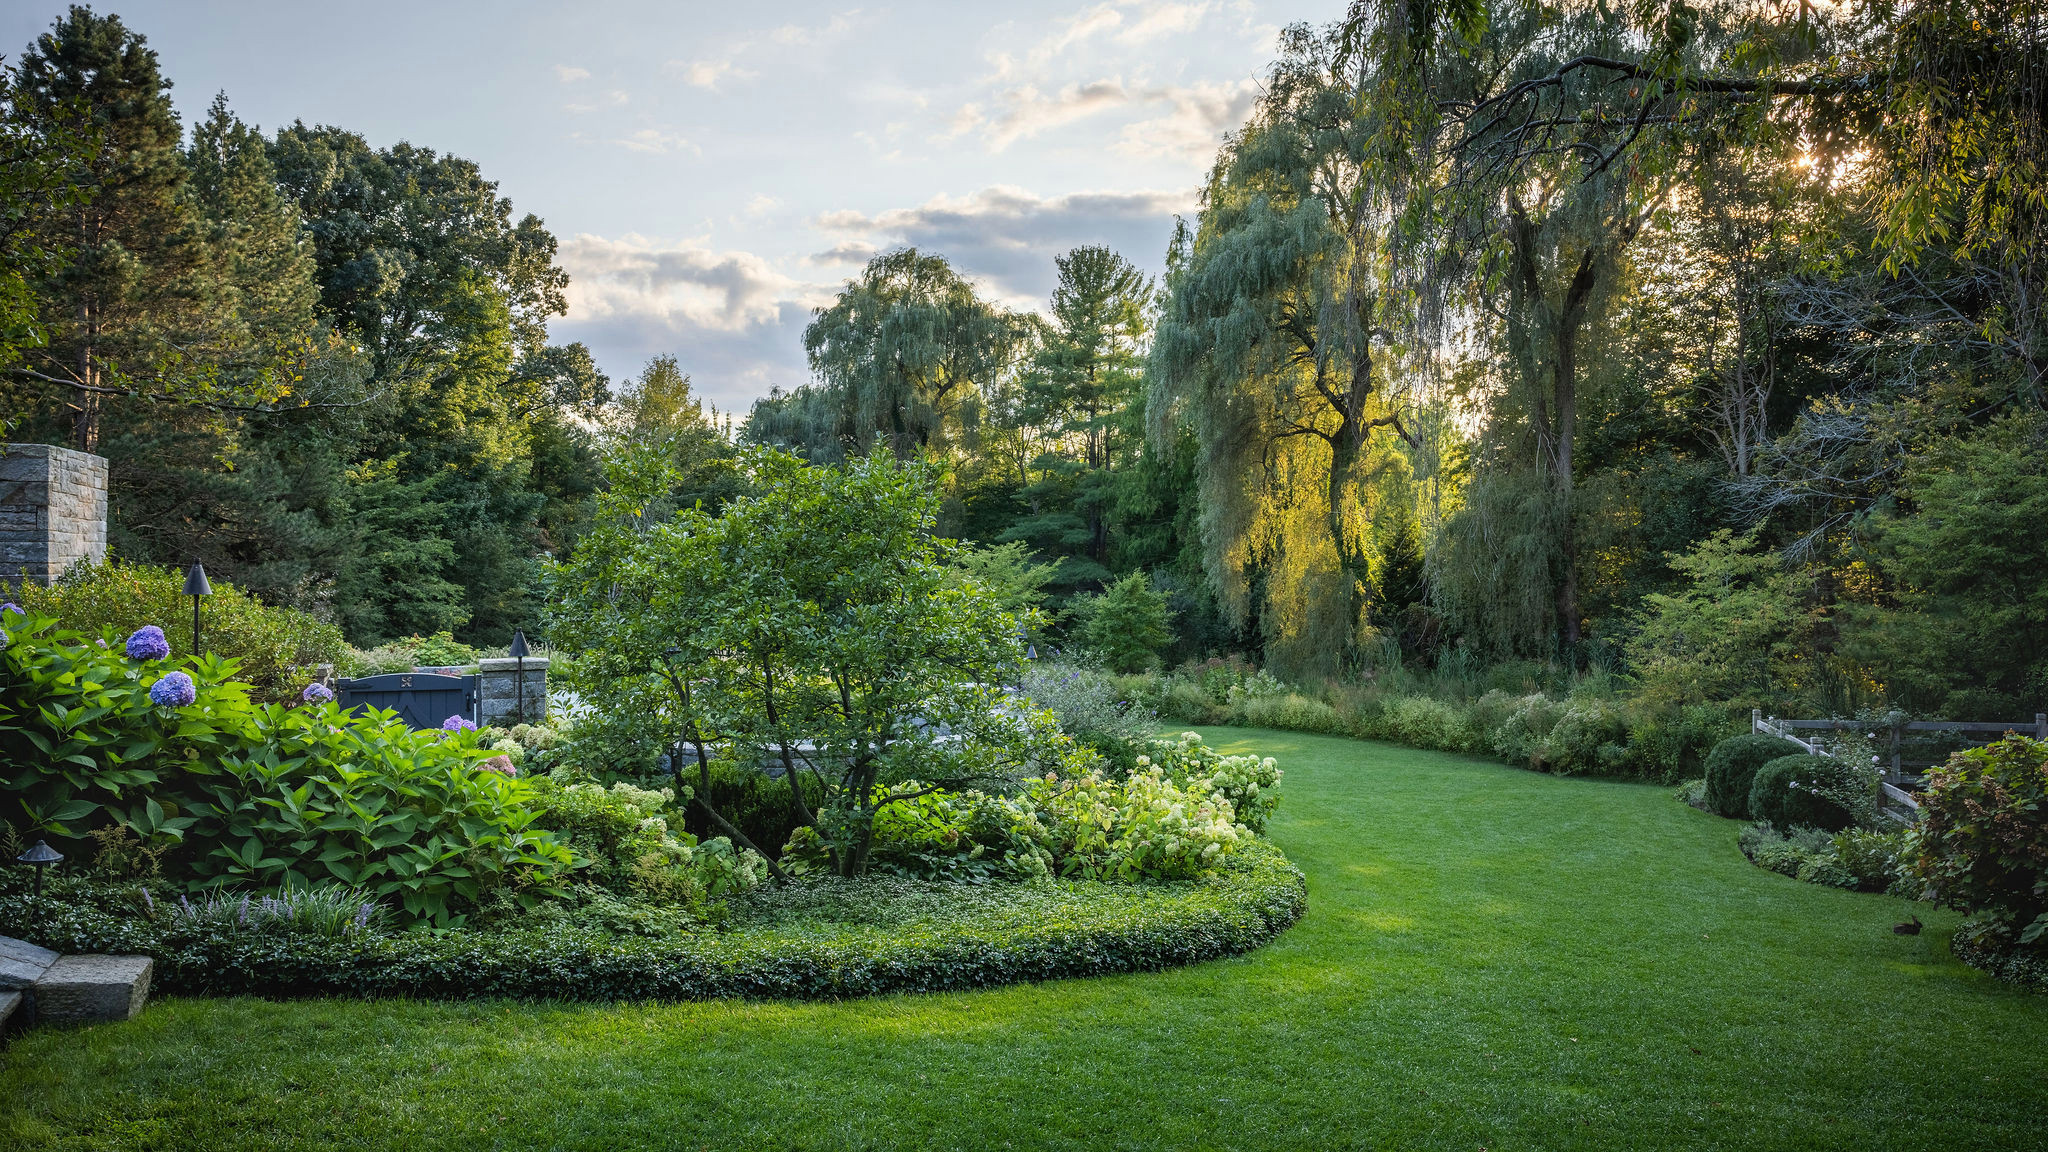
(148, 643)
(457, 724)
(174, 690)
(317, 694)
(11, 606)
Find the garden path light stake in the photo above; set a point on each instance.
(195, 587)
(42, 856)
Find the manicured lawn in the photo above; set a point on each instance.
(1491, 959)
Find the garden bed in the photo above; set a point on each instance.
(819, 939)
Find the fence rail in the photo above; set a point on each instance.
(1896, 778)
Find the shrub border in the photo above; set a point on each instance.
(1226, 914)
(2024, 969)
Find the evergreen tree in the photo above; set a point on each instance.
(134, 300)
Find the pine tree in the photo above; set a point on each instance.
(133, 299)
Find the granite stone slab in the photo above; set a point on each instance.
(90, 989)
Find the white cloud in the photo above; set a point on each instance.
(1193, 122)
(1028, 112)
(708, 73)
(634, 275)
(1200, 116)
(798, 34)
(569, 74)
(611, 99)
(1157, 20)
(657, 141)
(732, 321)
(844, 252)
(1008, 236)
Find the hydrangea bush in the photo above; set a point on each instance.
(242, 795)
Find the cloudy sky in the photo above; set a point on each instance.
(715, 171)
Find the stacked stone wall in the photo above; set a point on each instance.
(499, 693)
(53, 511)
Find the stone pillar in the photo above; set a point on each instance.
(53, 511)
(498, 698)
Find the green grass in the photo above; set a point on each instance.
(1491, 959)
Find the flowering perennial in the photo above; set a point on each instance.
(148, 643)
(174, 690)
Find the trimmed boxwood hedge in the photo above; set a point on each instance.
(1732, 766)
(1011, 934)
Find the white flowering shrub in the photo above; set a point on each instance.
(1251, 784)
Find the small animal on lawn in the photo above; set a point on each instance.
(1909, 928)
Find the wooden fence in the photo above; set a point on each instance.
(1898, 781)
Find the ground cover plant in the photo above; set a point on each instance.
(1492, 958)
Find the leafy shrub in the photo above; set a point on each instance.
(1784, 852)
(1732, 767)
(1250, 783)
(256, 796)
(1523, 737)
(1694, 793)
(755, 802)
(954, 938)
(968, 837)
(1187, 703)
(1982, 842)
(1289, 711)
(1090, 709)
(1425, 722)
(1872, 857)
(1128, 623)
(1667, 746)
(1587, 737)
(1144, 827)
(1806, 791)
(623, 844)
(275, 648)
(441, 650)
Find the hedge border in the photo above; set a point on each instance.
(2024, 969)
(1226, 914)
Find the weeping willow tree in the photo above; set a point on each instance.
(1277, 345)
(905, 351)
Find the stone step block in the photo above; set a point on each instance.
(22, 963)
(10, 1009)
(89, 989)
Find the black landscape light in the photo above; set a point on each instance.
(518, 652)
(195, 587)
(42, 856)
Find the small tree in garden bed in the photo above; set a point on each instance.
(817, 622)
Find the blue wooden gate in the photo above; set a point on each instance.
(422, 699)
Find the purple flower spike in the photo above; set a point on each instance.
(317, 694)
(457, 724)
(174, 690)
(148, 643)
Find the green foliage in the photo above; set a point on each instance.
(824, 939)
(1128, 624)
(1803, 791)
(1873, 857)
(816, 619)
(1736, 634)
(1091, 708)
(1732, 768)
(1966, 634)
(906, 349)
(1981, 844)
(274, 649)
(258, 796)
